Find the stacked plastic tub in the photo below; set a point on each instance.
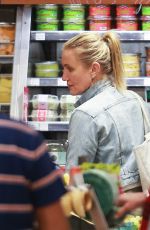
(47, 17)
(126, 17)
(145, 18)
(99, 17)
(73, 17)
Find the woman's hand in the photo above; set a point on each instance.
(128, 202)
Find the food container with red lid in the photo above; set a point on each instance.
(100, 23)
(99, 10)
(145, 22)
(126, 10)
(127, 23)
(148, 69)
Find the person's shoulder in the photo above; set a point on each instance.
(14, 124)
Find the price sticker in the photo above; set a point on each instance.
(147, 36)
(33, 82)
(43, 126)
(40, 36)
(147, 81)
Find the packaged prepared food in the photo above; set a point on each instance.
(44, 115)
(6, 48)
(73, 11)
(45, 102)
(67, 102)
(46, 73)
(127, 23)
(131, 66)
(100, 23)
(145, 22)
(48, 65)
(99, 10)
(147, 54)
(65, 115)
(57, 152)
(148, 69)
(46, 11)
(131, 57)
(5, 89)
(7, 32)
(146, 10)
(49, 24)
(129, 10)
(132, 73)
(73, 24)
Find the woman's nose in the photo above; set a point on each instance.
(64, 76)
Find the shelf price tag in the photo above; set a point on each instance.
(34, 125)
(43, 126)
(147, 81)
(33, 82)
(40, 36)
(147, 36)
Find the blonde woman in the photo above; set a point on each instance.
(107, 122)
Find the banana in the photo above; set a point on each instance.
(66, 202)
(81, 202)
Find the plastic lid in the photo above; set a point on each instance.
(70, 6)
(127, 18)
(46, 63)
(101, 18)
(46, 20)
(47, 6)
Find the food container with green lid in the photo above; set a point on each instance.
(145, 22)
(73, 11)
(47, 11)
(48, 65)
(48, 24)
(74, 24)
(146, 10)
(46, 73)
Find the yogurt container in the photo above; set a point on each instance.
(100, 23)
(126, 10)
(99, 10)
(45, 102)
(73, 11)
(46, 11)
(127, 23)
(145, 23)
(132, 73)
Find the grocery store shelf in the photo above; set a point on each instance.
(65, 35)
(33, 2)
(58, 82)
(138, 82)
(59, 126)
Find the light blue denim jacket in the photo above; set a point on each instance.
(105, 127)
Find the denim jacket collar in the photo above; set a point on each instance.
(98, 87)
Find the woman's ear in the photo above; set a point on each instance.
(95, 70)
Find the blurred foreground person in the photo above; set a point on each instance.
(30, 185)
